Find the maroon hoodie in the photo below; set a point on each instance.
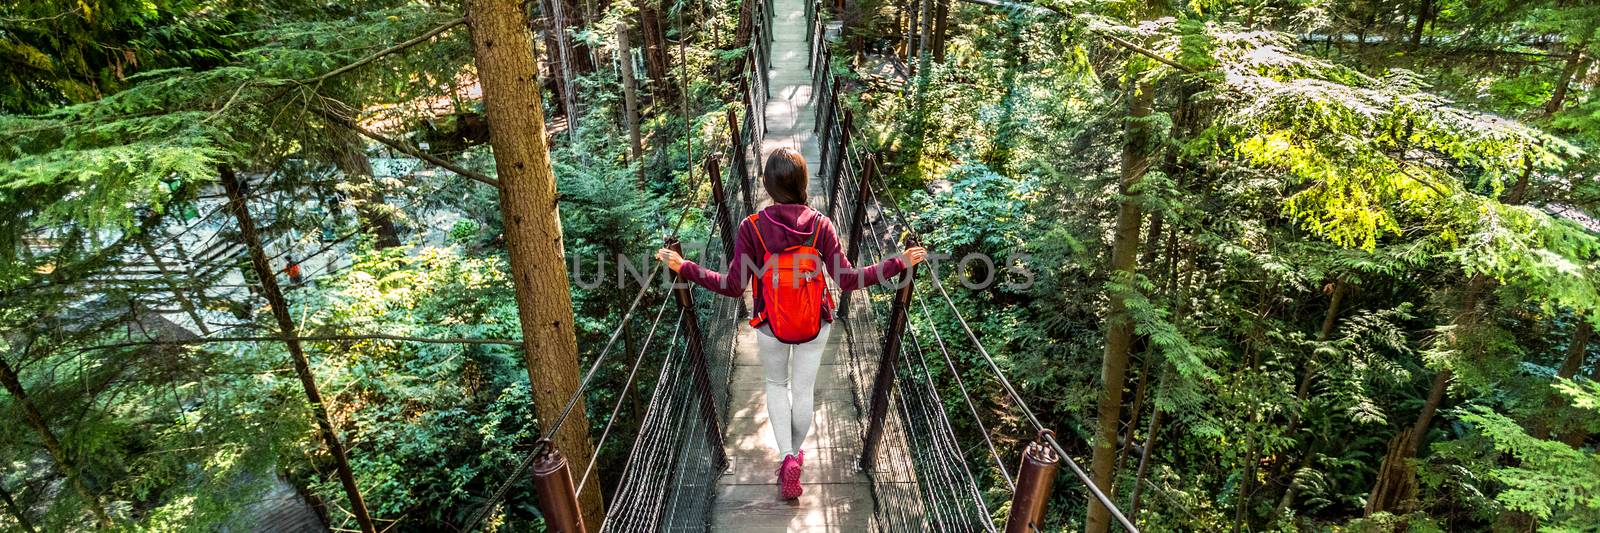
(782, 226)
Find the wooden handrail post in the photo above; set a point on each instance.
(697, 359)
(741, 162)
(766, 42)
(558, 497)
(829, 87)
(725, 220)
(818, 75)
(1034, 479)
(724, 216)
(837, 168)
(883, 382)
(858, 223)
(811, 20)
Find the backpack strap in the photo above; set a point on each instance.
(816, 227)
(752, 220)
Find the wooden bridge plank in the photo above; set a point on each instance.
(833, 507)
(838, 496)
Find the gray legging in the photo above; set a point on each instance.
(791, 375)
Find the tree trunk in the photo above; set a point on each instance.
(554, 69)
(1424, 7)
(16, 510)
(630, 102)
(655, 49)
(1396, 481)
(1140, 391)
(1441, 379)
(302, 366)
(1577, 349)
(1144, 463)
(1136, 152)
(1302, 392)
(1574, 437)
(177, 290)
(924, 33)
(941, 29)
(1435, 396)
(47, 437)
(556, 26)
(1147, 261)
(503, 50)
(900, 45)
(1577, 65)
(912, 23)
(581, 57)
(351, 159)
(1246, 487)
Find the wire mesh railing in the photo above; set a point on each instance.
(677, 455)
(933, 486)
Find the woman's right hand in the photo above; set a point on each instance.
(914, 255)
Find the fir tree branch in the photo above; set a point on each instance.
(406, 148)
(306, 338)
(1051, 10)
(384, 52)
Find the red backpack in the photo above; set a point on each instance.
(793, 289)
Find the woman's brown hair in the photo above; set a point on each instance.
(785, 177)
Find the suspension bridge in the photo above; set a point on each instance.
(883, 455)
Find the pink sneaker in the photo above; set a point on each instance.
(789, 478)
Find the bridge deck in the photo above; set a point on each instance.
(838, 497)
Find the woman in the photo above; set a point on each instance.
(789, 365)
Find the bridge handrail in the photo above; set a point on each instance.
(839, 154)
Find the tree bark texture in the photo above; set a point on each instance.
(655, 48)
(1574, 437)
(528, 203)
(1136, 152)
(1577, 65)
(630, 102)
(1577, 352)
(1397, 482)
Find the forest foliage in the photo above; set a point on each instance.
(1362, 298)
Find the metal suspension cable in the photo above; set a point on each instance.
(1077, 471)
(938, 437)
(946, 445)
(544, 440)
(667, 439)
(627, 385)
(899, 462)
(665, 383)
(654, 428)
(965, 396)
(933, 507)
(1022, 404)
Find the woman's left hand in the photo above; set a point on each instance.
(673, 260)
